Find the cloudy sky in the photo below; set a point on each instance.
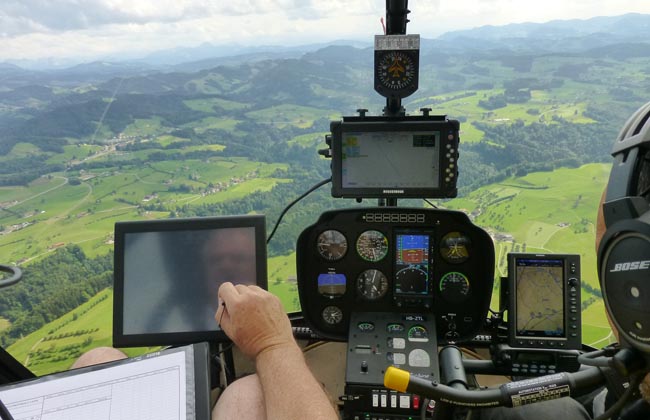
(92, 29)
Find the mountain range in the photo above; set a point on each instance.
(572, 35)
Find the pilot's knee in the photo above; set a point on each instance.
(242, 399)
(97, 356)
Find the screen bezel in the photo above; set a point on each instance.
(120, 338)
(415, 127)
(514, 335)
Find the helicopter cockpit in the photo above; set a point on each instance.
(397, 318)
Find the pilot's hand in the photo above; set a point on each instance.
(253, 318)
(644, 388)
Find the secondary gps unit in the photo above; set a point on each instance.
(394, 157)
(544, 301)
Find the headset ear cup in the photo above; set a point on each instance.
(624, 272)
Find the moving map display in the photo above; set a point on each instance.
(391, 159)
(539, 297)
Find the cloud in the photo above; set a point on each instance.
(96, 28)
(20, 17)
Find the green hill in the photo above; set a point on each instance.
(547, 212)
(55, 346)
(544, 212)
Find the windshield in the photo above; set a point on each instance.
(114, 111)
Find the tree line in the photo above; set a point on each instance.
(51, 288)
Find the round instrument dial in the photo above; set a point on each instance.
(396, 70)
(412, 280)
(332, 315)
(372, 245)
(454, 287)
(372, 284)
(454, 247)
(332, 245)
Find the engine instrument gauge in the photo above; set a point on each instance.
(418, 333)
(332, 245)
(395, 328)
(454, 247)
(372, 245)
(366, 326)
(454, 287)
(372, 284)
(332, 315)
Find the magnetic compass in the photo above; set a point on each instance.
(397, 65)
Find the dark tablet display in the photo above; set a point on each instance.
(167, 273)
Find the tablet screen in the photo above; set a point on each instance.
(168, 272)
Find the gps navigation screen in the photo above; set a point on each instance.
(390, 159)
(539, 297)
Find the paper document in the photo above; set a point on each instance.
(148, 389)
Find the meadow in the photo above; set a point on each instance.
(546, 212)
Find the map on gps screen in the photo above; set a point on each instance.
(539, 297)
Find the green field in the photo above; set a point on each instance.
(546, 212)
(299, 116)
(55, 346)
(542, 107)
(549, 212)
(50, 212)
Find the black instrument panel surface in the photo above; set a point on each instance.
(403, 260)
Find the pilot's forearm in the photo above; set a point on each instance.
(290, 390)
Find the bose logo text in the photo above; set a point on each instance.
(630, 266)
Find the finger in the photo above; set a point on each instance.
(220, 310)
(242, 289)
(227, 292)
(256, 288)
(223, 319)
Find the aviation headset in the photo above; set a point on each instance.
(624, 251)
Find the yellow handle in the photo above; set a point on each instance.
(396, 379)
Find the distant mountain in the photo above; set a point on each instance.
(101, 69)
(558, 35)
(208, 55)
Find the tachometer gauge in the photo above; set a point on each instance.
(372, 284)
(372, 245)
(454, 247)
(332, 245)
(418, 333)
(332, 315)
(454, 287)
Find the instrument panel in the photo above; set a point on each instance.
(400, 260)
